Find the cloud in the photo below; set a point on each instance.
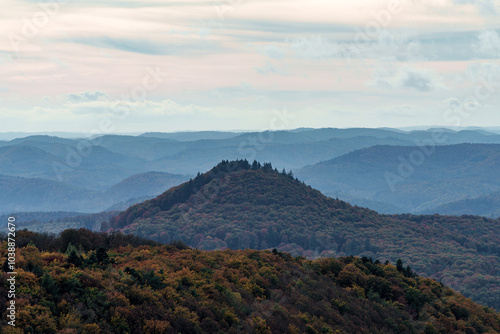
(97, 106)
(142, 45)
(389, 76)
(452, 103)
(488, 45)
(421, 80)
(316, 47)
(322, 47)
(87, 96)
(484, 7)
(281, 26)
(268, 68)
(461, 108)
(480, 72)
(275, 52)
(387, 43)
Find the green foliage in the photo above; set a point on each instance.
(5, 266)
(75, 259)
(179, 244)
(49, 285)
(80, 240)
(100, 257)
(399, 265)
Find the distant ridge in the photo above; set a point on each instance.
(488, 206)
(104, 161)
(386, 174)
(191, 136)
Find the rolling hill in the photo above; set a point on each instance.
(19, 194)
(35, 194)
(94, 167)
(239, 205)
(488, 206)
(26, 161)
(117, 284)
(143, 185)
(408, 177)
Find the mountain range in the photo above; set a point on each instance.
(410, 179)
(82, 174)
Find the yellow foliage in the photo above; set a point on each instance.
(153, 326)
(12, 330)
(91, 329)
(28, 254)
(359, 291)
(70, 320)
(67, 331)
(45, 323)
(117, 299)
(64, 306)
(181, 311)
(292, 329)
(260, 326)
(27, 283)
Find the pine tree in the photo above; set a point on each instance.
(92, 259)
(102, 256)
(408, 272)
(5, 266)
(71, 248)
(75, 259)
(50, 285)
(399, 265)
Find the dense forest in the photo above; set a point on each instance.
(88, 282)
(239, 205)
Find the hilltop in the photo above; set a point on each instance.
(239, 205)
(116, 284)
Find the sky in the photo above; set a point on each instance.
(114, 66)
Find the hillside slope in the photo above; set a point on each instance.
(237, 205)
(115, 287)
(144, 185)
(411, 178)
(19, 194)
(36, 194)
(488, 206)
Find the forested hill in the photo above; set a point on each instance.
(239, 205)
(406, 179)
(232, 183)
(114, 284)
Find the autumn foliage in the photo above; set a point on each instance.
(238, 205)
(173, 289)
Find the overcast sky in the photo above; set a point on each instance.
(152, 65)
